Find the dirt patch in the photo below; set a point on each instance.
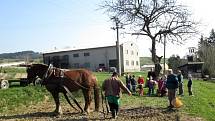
(43, 112)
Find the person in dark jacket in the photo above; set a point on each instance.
(171, 85)
(133, 84)
(189, 85)
(128, 81)
(180, 81)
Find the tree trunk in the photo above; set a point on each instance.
(155, 59)
(153, 51)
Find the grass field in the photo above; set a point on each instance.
(200, 105)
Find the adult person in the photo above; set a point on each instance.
(133, 84)
(151, 73)
(189, 84)
(172, 85)
(180, 85)
(112, 87)
(128, 81)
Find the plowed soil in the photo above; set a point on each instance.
(44, 112)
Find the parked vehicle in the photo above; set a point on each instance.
(6, 79)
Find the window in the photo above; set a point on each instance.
(56, 61)
(102, 65)
(76, 55)
(137, 63)
(137, 53)
(86, 54)
(65, 58)
(126, 51)
(132, 63)
(132, 52)
(127, 63)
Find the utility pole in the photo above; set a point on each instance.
(117, 27)
(164, 55)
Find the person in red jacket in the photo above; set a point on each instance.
(140, 85)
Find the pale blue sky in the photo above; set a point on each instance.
(41, 25)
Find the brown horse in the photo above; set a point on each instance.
(57, 80)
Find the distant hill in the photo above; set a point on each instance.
(21, 55)
(148, 61)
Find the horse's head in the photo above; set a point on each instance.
(36, 70)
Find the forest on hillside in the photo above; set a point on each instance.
(21, 55)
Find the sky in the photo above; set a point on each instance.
(44, 25)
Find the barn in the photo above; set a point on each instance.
(96, 58)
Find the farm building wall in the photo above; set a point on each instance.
(130, 57)
(95, 58)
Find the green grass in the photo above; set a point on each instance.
(203, 102)
(200, 105)
(18, 96)
(13, 70)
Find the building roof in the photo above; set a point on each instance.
(80, 49)
(75, 49)
(191, 63)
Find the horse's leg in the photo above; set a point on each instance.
(88, 99)
(55, 95)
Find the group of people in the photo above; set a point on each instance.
(132, 84)
(166, 85)
(175, 82)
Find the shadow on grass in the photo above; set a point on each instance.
(28, 115)
(77, 116)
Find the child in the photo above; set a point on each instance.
(163, 88)
(140, 83)
(189, 84)
(151, 86)
(160, 84)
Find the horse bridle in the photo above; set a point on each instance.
(46, 74)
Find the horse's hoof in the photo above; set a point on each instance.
(89, 111)
(57, 113)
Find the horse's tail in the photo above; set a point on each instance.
(96, 95)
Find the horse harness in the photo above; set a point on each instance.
(60, 74)
(57, 72)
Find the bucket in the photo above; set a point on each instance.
(177, 102)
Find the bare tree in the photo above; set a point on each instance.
(155, 19)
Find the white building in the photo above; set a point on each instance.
(95, 58)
